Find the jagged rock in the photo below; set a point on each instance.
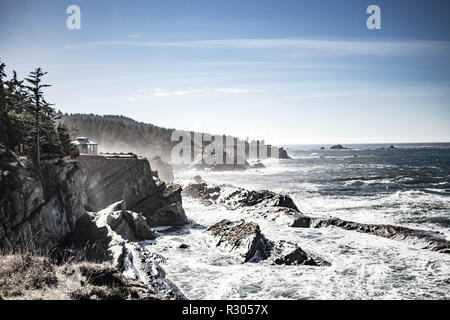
(337, 147)
(203, 192)
(258, 165)
(248, 243)
(288, 253)
(431, 240)
(129, 225)
(270, 205)
(37, 210)
(198, 179)
(165, 170)
(302, 221)
(110, 235)
(282, 154)
(130, 179)
(242, 238)
(223, 161)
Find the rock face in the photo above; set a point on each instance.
(165, 170)
(109, 180)
(246, 241)
(430, 240)
(38, 209)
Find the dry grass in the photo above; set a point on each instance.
(28, 277)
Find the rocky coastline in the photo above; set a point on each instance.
(101, 214)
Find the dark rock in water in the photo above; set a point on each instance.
(282, 153)
(391, 147)
(301, 222)
(432, 240)
(244, 198)
(337, 147)
(165, 170)
(244, 239)
(322, 148)
(258, 165)
(223, 161)
(250, 245)
(183, 246)
(288, 253)
(270, 205)
(203, 192)
(198, 179)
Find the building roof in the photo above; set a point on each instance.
(83, 140)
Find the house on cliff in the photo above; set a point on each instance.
(85, 146)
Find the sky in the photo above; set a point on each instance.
(289, 72)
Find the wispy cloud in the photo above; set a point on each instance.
(299, 46)
(135, 35)
(236, 90)
(158, 92)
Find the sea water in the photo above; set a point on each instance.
(407, 186)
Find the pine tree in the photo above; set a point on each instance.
(3, 112)
(35, 79)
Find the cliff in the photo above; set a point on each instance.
(95, 208)
(38, 209)
(129, 178)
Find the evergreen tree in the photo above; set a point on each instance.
(35, 79)
(3, 121)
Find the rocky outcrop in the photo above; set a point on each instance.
(165, 170)
(288, 253)
(282, 154)
(263, 203)
(337, 147)
(242, 238)
(109, 180)
(222, 161)
(206, 194)
(113, 235)
(245, 240)
(45, 212)
(427, 239)
(37, 209)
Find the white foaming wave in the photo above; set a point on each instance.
(362, 266)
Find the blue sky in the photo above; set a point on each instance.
(288, 71)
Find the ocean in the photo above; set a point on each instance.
(408, 185)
